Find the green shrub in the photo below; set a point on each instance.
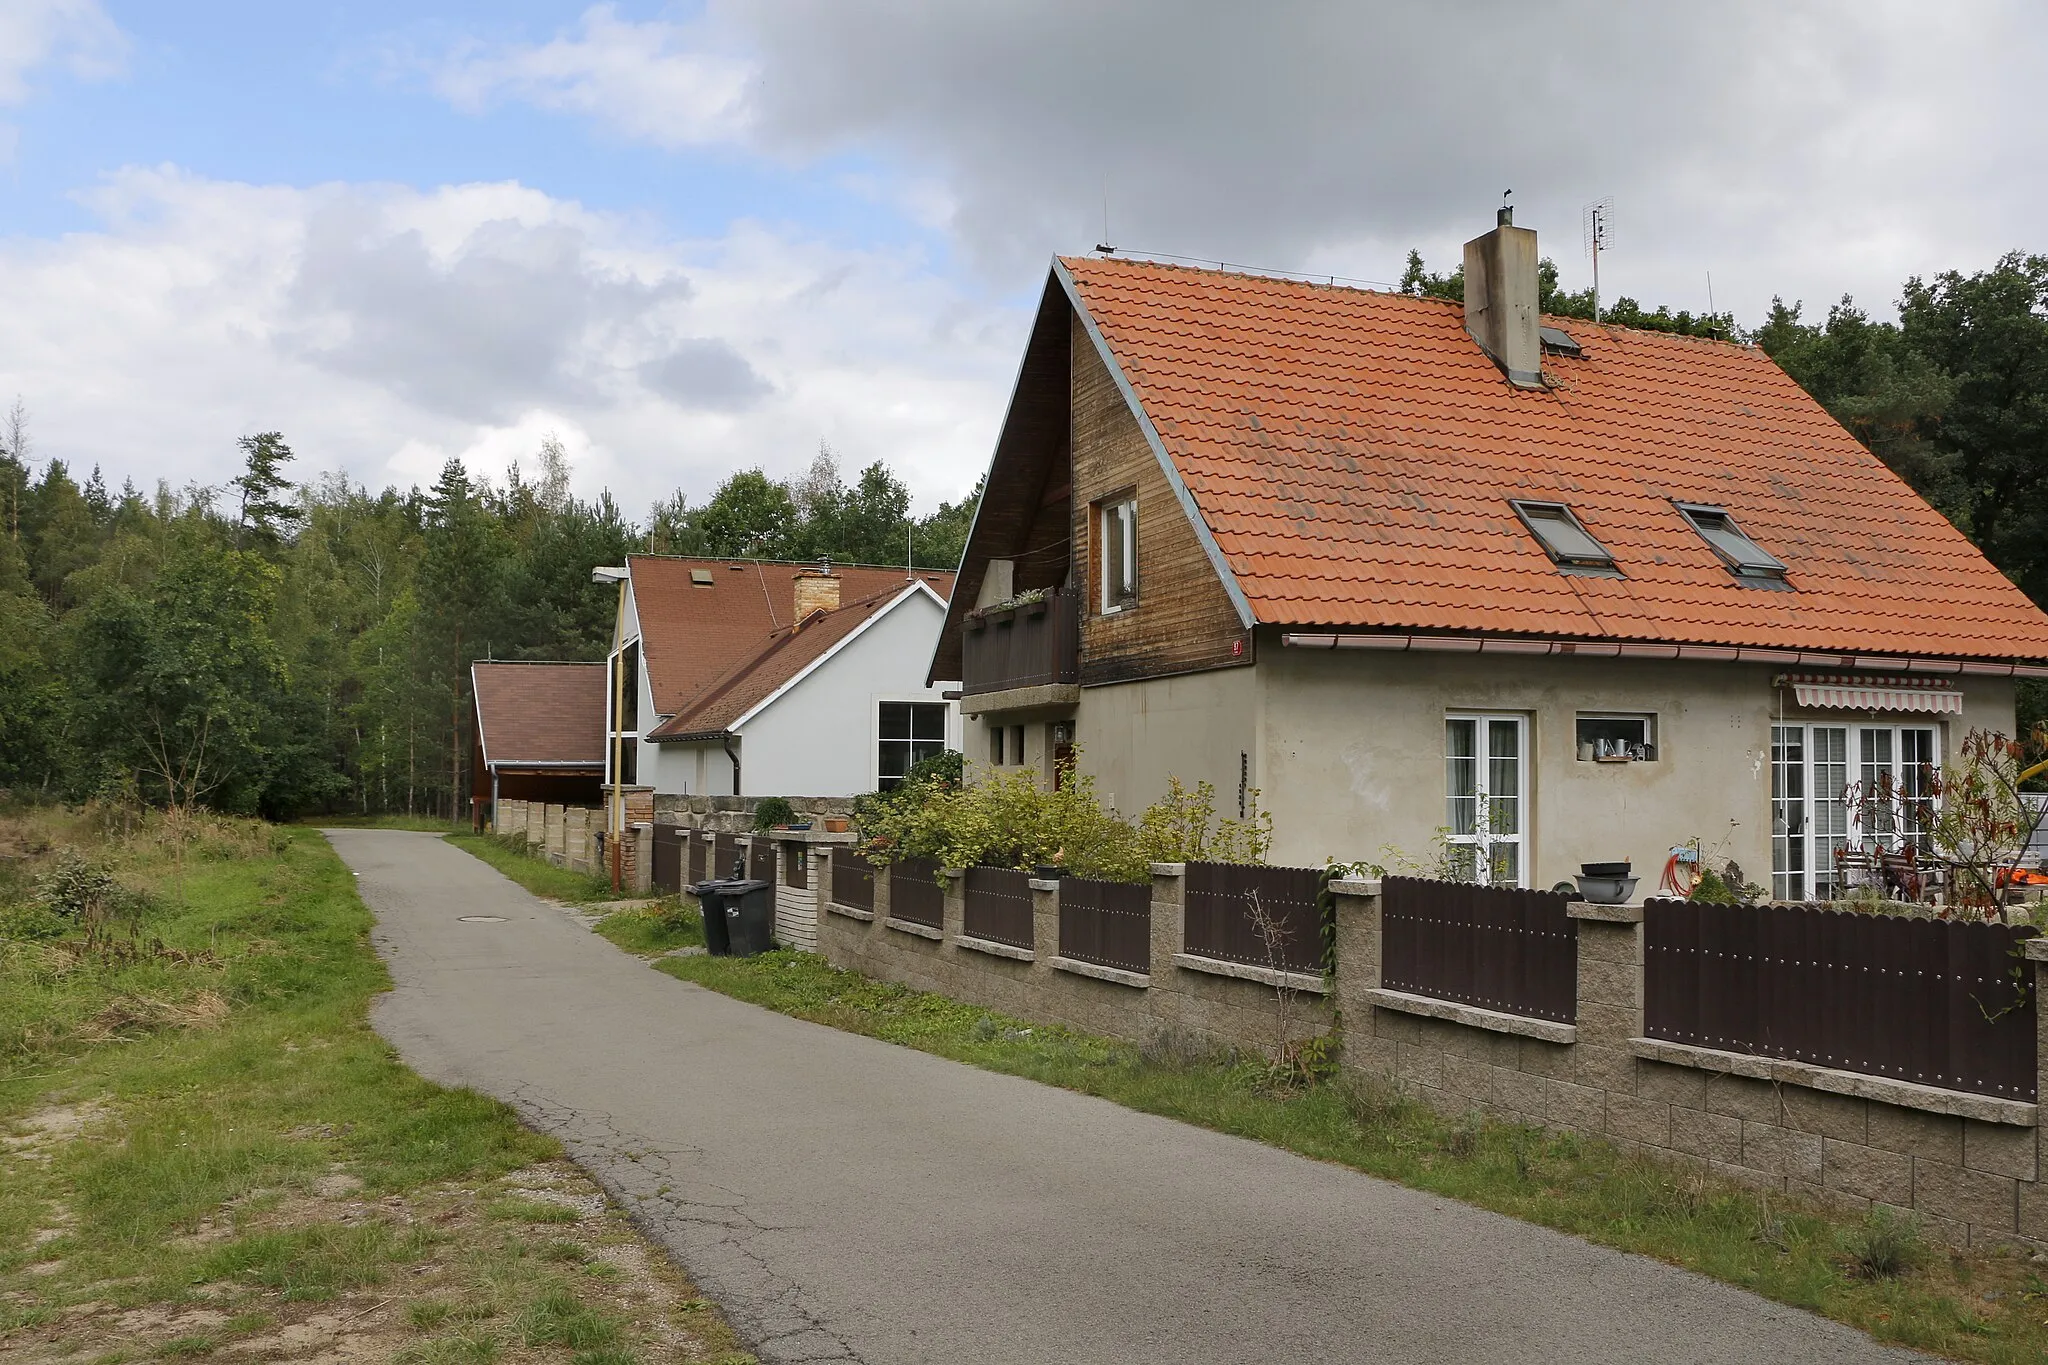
(1177, 828)
(773, 811)
(1006, 820)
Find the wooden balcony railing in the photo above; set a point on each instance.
(1027, 646)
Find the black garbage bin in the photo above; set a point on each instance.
(711, 900)
(749, 917)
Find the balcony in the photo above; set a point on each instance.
(1035, 645)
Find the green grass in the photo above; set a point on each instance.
(1785, 1250)
(537, 875)
(205, 1085)
(670, 923)
(432, 824)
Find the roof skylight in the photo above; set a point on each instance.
(1743, 556)
(1561, 535)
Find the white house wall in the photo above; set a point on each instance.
(819, 737)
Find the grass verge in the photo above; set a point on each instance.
(205, 1148)
(537, 875)
(650, 930)
(1881, 1276)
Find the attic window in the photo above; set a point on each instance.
(701, 577)
(1563, 538)
(1557, 341)
(1746, 559)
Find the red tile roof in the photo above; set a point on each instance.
(548, 714)
(1353, 454)
(708, 647)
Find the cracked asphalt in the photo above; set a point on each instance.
(847, 1200)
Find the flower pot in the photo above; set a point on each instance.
(835, 824)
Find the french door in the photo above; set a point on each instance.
(1486, 784)
(1836, 787)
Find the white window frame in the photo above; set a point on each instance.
(1483, 838)
(1809, 824)
(618, 740)
(875, 748)
(1124, 511)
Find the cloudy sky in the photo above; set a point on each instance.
(694, 238)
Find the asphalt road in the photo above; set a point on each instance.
(845, 1199)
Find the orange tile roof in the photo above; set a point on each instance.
(698, 643)
(1353, 454)
(540, 713)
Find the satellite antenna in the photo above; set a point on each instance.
(1599, 232)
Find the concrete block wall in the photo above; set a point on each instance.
(1969, 1166)
(735, 814)
(1228, 1005)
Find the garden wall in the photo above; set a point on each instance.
(1221, 1003)
(1969, 1164)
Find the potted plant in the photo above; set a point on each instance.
(773, 812)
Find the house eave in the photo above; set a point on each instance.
(1391, 642)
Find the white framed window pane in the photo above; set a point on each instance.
(1505, 867)
(928, 721)
(1830, 790)
(1917, 769)
(1788, 812)
(1503, 776)
(1119, 554)
(1461, 762)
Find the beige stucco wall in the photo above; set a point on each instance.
(1135, 735)
(1347, 749)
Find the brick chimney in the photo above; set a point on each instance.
(1500, 300)
(816, 590)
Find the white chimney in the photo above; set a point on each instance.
(1500, 300)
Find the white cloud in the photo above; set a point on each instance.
(75, 34)
(1799, 146)
(654, 81)
(385, 329)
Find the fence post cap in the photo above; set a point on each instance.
(1607, 914)
(2036, 949)
(952, 873)
(1043, 883)
(1169, 869)
(1354, 886)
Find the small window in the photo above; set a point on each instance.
(909, 731)
(1016, 744)
(1119, 523)
(701, 577)
(1743, 556)
(1617, 739)
(1563, 538)
(1557, 341)
(995, 746)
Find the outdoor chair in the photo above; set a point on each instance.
(1855, 869)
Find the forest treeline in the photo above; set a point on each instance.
(279, 647)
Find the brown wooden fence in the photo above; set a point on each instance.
(696, 842)
(853, 881)
(1499, 948)
(915, 894)
(1107, 923)
(761, 864)
(999, 906)
(726, 851)
(1219, 921)
(667, 872)
(1926, 1001)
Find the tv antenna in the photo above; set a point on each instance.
(1599, 233)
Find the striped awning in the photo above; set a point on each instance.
(1845, 692)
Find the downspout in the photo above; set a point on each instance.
(726, 740)
(494, 799)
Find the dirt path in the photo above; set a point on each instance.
(844, 1199)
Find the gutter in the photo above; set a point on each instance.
(1474, 644)
(497, 763)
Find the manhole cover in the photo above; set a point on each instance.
(483, 919)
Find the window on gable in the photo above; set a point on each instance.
(1119, 538)
(1563, 538)
(1748, 560)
